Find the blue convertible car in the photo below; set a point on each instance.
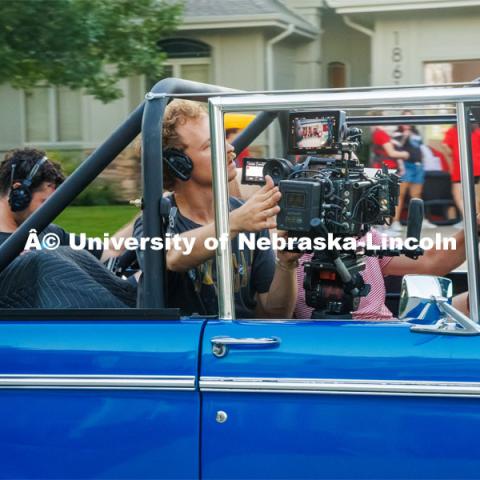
(145, 393)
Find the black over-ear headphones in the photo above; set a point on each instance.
(20, 194)
(179, 163)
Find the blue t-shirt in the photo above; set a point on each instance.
(196, 291)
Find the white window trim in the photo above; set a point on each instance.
(424, 63)
(449, 59)
(52, 105)
(178, 63)
(52, 140)
(23, 118)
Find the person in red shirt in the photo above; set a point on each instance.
(451, 141)
(384, 151)
(442, 159)
(372, 307)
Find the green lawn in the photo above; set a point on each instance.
(96, 221)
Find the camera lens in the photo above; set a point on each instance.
(278, 169)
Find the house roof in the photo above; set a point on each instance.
(364, 6)
(203, 14)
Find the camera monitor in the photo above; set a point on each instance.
(252, 171)
(255, 169)
(315, 132)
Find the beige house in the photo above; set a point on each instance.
(417, 41)
(264, 45)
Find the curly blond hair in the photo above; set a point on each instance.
(177, 113)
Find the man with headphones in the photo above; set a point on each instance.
(64, 277)
(27, 179)
(264, 285)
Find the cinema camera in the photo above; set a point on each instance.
(328, 192)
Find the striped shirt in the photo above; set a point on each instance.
(372, 307)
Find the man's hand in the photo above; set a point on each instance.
(258, 213)
(287, 259)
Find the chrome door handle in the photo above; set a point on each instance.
(220, 345)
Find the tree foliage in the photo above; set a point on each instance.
(88, 44)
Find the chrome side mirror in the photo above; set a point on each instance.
(428, 299)
(417, 294)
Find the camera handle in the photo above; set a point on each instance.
(332, 295)
(353, 283)
(414, 230)
(395, 252)
(338, 292)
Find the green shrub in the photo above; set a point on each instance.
(99, 192)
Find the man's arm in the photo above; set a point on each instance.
(392, 153)
(398, 155)
(279, 301)
(448, 154)
(257, 214)
(125, 232)
(433, 262)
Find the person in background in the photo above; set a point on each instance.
(264, 285)
(372, 306)
(433, 158)
(383, 150)
(450, 139)
(408, 139)
(27, 179)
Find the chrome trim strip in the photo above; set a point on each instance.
(340, 386)
(389, 97)
(96, 382)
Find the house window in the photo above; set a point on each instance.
(451, 72)
(197, 70)
(337, 75)
(188, 59)
(53, 114)
(456, 71)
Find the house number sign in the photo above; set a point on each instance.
(397, 58)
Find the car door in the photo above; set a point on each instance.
(99, 396)
(328, 399)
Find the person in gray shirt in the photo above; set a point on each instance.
(264, 286)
